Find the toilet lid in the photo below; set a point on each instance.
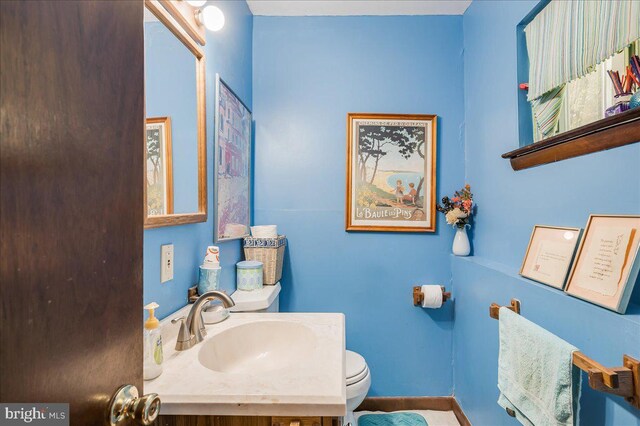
(356, 367)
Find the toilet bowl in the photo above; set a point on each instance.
(358, 380)
(358, 377)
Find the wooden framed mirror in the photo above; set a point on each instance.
(175, 181)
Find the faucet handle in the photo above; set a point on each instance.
(185, 341)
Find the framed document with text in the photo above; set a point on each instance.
(606, 265)
(549, 254)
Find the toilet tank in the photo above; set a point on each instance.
(266, 299)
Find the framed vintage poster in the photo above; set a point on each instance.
(232, 171)
(606, 265)
(549, 254)
(391, 172)
(159, 168)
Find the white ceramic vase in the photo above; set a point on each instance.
(461, 246)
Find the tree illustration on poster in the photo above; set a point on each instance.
(159, 166)
(373, 142)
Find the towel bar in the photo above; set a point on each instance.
(418, 296)
(494, 309)
(622, 381)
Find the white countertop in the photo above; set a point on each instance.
(314, 386)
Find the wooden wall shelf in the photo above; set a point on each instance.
(611, 132)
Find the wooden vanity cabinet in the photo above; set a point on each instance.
(185, 420)
(306, 421)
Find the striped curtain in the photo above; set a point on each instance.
(546, 111)
(569, 37)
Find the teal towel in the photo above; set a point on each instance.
(536, 376)
(392, 419)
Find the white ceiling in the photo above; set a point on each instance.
(357, 7)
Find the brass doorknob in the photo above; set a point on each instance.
(126, 404)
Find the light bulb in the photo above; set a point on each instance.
(196, 3)
(212, 18)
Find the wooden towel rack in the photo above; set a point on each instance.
(494, 309)
(622, 381)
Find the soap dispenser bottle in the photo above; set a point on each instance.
(152, 366)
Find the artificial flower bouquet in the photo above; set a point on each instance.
(458, 209)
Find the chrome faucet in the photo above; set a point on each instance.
(192, 330)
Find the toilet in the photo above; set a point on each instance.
(358, 383)
(358, 377)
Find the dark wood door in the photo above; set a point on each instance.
(71, 174)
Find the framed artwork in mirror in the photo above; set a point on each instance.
(391, 172)
(159, 166)
(232, 171)
(549, 254)
(606, 266)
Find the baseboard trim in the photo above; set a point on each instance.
(400, 403)
(457, 410)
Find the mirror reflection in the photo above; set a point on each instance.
(171, 122)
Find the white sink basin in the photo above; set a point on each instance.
(255, 364)
(258, 347)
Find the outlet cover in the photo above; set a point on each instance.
(166, 263)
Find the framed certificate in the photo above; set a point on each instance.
(549, 254)
(606, 265)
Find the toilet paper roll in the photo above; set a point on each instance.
(432, 296)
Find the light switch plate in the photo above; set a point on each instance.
(166, 263)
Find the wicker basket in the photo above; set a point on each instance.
(269, 251)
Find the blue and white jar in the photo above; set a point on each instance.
(249, 275)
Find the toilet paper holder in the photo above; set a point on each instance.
(418, 295)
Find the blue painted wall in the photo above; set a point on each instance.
(509, 205)
(599, 333)
(228, 52)
(170, 91)
(308, 73)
